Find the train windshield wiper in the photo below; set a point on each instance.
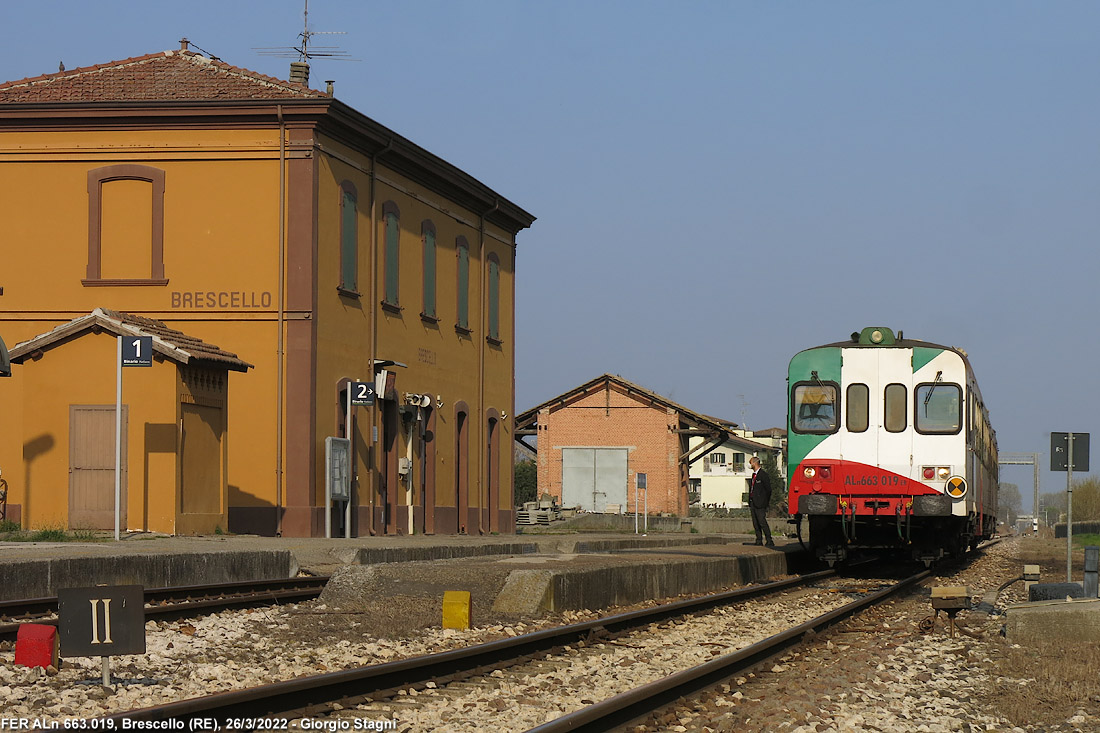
(927, 397)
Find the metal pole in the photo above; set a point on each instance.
(118, 445)
(351, 466)
(107, 669)
(1069, 509)
(1035, 499)
(647, 508)
(635, 505)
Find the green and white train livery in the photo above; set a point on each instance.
(889, 447)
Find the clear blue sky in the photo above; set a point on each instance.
(721, 184)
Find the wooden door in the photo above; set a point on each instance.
(202, 473)
(92, 467)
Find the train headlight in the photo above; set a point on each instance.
(826, 472)
(810, 472)
(943, 472)
(929, 473)
(876, 336)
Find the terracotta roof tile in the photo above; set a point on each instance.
(164, 76)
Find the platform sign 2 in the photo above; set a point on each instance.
(362, 393)
(101, 621)
(137, 351)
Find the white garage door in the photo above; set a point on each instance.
(593, 478)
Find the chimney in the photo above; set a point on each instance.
(299, 72)
(328, 86)
(183, 44)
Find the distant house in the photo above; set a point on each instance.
(721, 479)
(596, 439)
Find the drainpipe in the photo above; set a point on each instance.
(280, 347)
(483, 489)
(372, 299)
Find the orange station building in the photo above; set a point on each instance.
(308, 242)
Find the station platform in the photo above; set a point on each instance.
(508, 576)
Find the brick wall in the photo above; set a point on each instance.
(608, 418)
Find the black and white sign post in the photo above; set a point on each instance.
(132, 351)
(338, 457)
(1067, 452)
(101, 621)
(640, 484)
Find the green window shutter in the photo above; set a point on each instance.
(349, 241)
(392, 254)
(429, 273)
(463, 320)
(494, 299)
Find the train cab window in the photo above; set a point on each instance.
(814, 407)
(857, 397)
(895, 417)
(937, 408)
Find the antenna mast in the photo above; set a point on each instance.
(299, 70)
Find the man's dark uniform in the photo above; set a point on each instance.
(760, 494)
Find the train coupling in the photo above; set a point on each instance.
(834, 555)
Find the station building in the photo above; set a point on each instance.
(311, 243)
(595, 439)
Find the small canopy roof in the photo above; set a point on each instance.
(172, 344)
(5, 364)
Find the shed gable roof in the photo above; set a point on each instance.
(163, 76)
(173, 344)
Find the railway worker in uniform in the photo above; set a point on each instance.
(760, 495)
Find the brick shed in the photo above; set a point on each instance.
(593, 441)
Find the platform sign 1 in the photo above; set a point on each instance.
(137, 351)
(362, 393)
(1059, 451)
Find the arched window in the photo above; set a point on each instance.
(125, 225)
(427, 229)
(349, 238)
(494, 297)
(462, 251)
(392, 216)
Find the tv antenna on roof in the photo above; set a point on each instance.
(306, 50)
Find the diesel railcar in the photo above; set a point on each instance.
(889, 447)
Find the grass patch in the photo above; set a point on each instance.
(1083, 540)
(10, 532)
(1043, 684)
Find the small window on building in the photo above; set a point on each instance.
(392, 216)
(349, 238)
(739, 462)
(494, 297)
(856, 406)
(718, 458)
(895, 408)
(427, 229)
(814, 407)
(462, 252)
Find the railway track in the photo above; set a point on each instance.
(175, 602)
(451, 673)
